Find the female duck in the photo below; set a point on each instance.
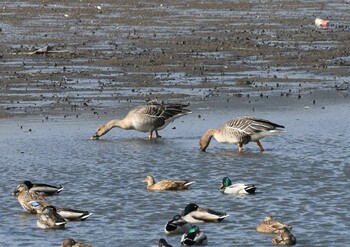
(284, 237)
(50, 219)
(241, 131)
(194, 237)
(194, 214)
(269, 225)
(145, 118)
(167, 184)
(69, 242)
(238, 189)
(32, 202)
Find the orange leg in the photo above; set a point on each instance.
(158, 136)
(260, 146)
(240, 148)
(150, 135)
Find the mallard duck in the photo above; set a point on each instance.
(269, 225)
(43, 189)
(167, 184)
(32, 202)
(241, 130)
(177, 226)
(195, 214)
(194, 237)
(238, 188)
(145, 118)
(284, 237)
(163, 243)
(69, 242)
(73, 214)
(50, 219)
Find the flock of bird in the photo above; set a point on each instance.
(150, 118)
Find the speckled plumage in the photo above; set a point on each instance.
(167, 184)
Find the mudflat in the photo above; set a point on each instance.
(70, 57)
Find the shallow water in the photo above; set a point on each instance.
(301, 178)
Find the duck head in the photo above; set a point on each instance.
(21, 187)
(190, 208)
(226, 182)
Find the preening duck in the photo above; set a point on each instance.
(145, 118)
(241, 131)
(269, 225)
(50, 219)
(163, 243)
(69, 242)
(284, 237)
(194, 237)
(177, 226)
(43, 189)
(237, 188)
(32, 202)
(167, 184)
(194, 214)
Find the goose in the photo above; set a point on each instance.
(163, 243)
(241, 131)
(145, 118)
(69, 242)
(194, 214)
(284, 237)
(73, 214)
(167, 184)
(269, 225)
(43, 189)
(50, 219)
(32, 202)
(194, 237)
(238, 188)
(177, 226)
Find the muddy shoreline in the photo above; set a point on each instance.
(105, 54)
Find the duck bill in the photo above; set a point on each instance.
(222, 186)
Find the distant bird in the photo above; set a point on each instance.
(167, 184)
(50, 219)
(43, 189)
(177, 226)
(69, 242)
(194, 214)
(194, 237)
(284, 237)
(73, 214)
(241, 131)
(163, 243)
(32, 202)
(145, 118)
(269, 225)
(237, 188)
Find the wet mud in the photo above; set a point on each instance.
(103, 53)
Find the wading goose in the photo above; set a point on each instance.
(69, 242)
(241, 131)
(269, 225)
(238, 188)
(284, 237)
(43, 189)
(194, 237)
(177, 226)
(50, 219)
(194, 214)
(32, 202)
(145, 118)
(163, 243)
(167, 184)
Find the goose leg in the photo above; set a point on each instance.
(260, 146)
(150, 135)
(240, 148)
(158, 136)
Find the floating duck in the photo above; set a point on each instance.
(194, 214)
(284, 237)
(167, 184)
(73, 214)
(145, 118)
(32, 202)
(238, 188)
(177, 226)
(43, 189)
(194, 237)
(241, 131)
(269, 225)
(50, 219)
(69, 242)
(163, 243)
